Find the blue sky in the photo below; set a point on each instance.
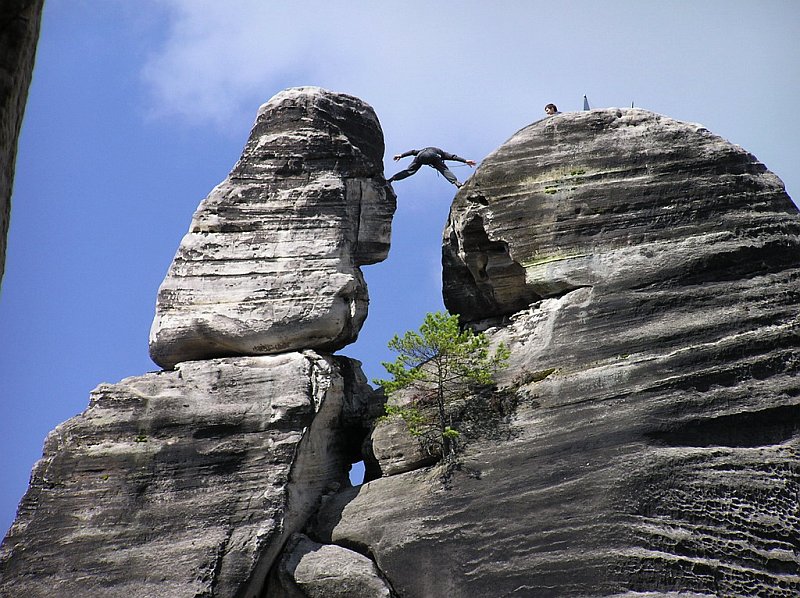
(138, 108)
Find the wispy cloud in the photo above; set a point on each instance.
(465, 75)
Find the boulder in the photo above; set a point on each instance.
(184, 483)
(271, 261)
(309, 569)
(397, 450)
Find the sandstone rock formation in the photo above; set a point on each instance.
(185, 483)
(19, 32)
(271, 260)
(189, 482)
(596, 196)
(645, 273)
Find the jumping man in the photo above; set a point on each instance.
(433, 157)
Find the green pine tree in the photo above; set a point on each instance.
(441, 364)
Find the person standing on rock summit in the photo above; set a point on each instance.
(429, 156)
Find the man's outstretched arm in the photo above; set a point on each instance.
(454, 158)
(405, 154)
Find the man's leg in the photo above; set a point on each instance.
(404, 174)
(446, 173)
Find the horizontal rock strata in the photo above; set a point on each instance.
(646, 275)
(271, 260)
(185, 483)
(581, 198)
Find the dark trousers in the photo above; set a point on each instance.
(416, 164)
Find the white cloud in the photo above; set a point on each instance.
(465, 75)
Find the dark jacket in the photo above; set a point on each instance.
(432, 155)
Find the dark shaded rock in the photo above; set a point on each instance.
(183, 483)
(272, 259)
(625, 197)
(19, 31)
(657, 425)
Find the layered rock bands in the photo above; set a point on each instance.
(643, 440)
(188, 482)
(271, 260)
(646, 276)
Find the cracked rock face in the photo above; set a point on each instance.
(183, 483)
(271, 260)
(654, 447)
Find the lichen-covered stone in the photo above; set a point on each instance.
(645, 273)
(271, 260)
(183, 483)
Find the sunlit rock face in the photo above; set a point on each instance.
(622, 198)
(271, 260)
(645, 275)
(185, 483)
(20, 21)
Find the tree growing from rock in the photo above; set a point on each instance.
(439, 366)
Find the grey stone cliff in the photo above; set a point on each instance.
(189, 482)
(271, 260)
(644, 274)
(19, 31)
(185, 483)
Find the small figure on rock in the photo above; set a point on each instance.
(551, 109)
(433, 157)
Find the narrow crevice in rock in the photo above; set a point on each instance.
(331, 445)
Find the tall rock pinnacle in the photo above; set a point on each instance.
(271, 260)
(190, 482)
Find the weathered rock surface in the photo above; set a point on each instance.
(312, 570)
(20, 20)
(271, 261)
(644, 274)
(397, 450)
(654, 450)
(582, 198)
(185, 483)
